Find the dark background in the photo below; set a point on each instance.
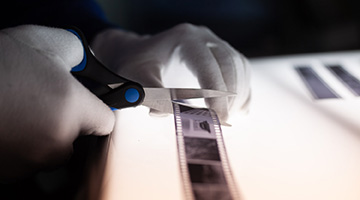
(254, 27)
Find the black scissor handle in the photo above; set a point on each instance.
(97, 77)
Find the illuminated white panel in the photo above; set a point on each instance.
(289, 146)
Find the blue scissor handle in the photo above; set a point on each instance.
(97, 78)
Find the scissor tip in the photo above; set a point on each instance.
(226, 124)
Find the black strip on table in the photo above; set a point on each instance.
(350, 81)
(318, 88)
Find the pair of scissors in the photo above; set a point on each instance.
(118, 92)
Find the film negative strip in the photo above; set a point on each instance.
(346, 78)
(204, 164)
(316, 85)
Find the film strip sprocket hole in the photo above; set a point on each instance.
(204, 164)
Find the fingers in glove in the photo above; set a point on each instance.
(235, 73)
(243, 91)
(95, 117)
(227, 67)
(203, 64)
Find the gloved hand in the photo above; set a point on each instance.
(43, 107)
(213, 61)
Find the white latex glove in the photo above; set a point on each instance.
(213, 61)
(43, 108)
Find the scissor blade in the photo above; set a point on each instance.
(154, 94)
(161, 98)
(164, 106)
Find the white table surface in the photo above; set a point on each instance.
(288, 146)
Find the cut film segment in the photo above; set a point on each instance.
(346, 78)
(316, 85)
